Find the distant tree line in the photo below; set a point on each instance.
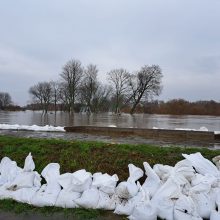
(7, 104)
(79, 89)
(5, 100)
(181, 107)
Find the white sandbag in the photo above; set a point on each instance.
(172, 188)
(37, 179)
(126, 190)
(204, 204)
(65, 180)
(66, 199)
(215, 195)
(216, 160)
(185, 168)
(203, 192)
(106, 201)
(152, 183)
(24, 187)
(29, 164)
(4, 167)
(47, 195)
(27, 178)
(144, 211)
(197, 179)
(78, 181)
(89, 199)
(24, 195)
(203, 183)
(165, 208)
(185, 209)
(23, 180)
(126, 207)
(135, 173)
(218, 198)
(201, 164)
(200, 188)
(81, 181)
(51, 172)
(4, 193)
(9, 170)
(163, 171)
(165, 197)
(206, 179)
(105, 182)
(214, 215)
(15, 181)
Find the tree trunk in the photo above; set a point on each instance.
(133, 108)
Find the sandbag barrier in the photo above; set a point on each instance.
(190, 190)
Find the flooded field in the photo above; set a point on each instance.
(212, 123)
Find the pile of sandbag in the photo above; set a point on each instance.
(190, 190)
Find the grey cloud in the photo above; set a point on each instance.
(38, 37)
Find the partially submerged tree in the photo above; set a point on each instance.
(118, 79)
(89, 87)
(101, 101)
(63, 96)
(144, 84)
(55, 86)
(79, 88)
(5, 100)
(42, 94)
(71, 76)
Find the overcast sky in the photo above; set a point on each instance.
(37, 37)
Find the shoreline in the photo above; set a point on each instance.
(108, 138)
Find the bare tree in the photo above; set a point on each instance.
(63, 96)
(5, 100)
(36, 92)
(72, 75)
(89, 86)
(55, 86)
(118, 79)
(101, 101)
(42, 93)
(146, 83)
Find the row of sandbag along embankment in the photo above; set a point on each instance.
(190, 189)
(173, 135)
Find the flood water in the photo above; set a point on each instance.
(212, 123)
(109, 119)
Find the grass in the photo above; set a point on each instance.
(92, 156)
(12, 206)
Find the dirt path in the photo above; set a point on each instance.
(102, 138)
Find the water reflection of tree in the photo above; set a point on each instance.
(55, 119)
(137, 120)
(71, 118)
(45, 120)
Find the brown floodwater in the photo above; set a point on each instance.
(109, 119)
(212, 123)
